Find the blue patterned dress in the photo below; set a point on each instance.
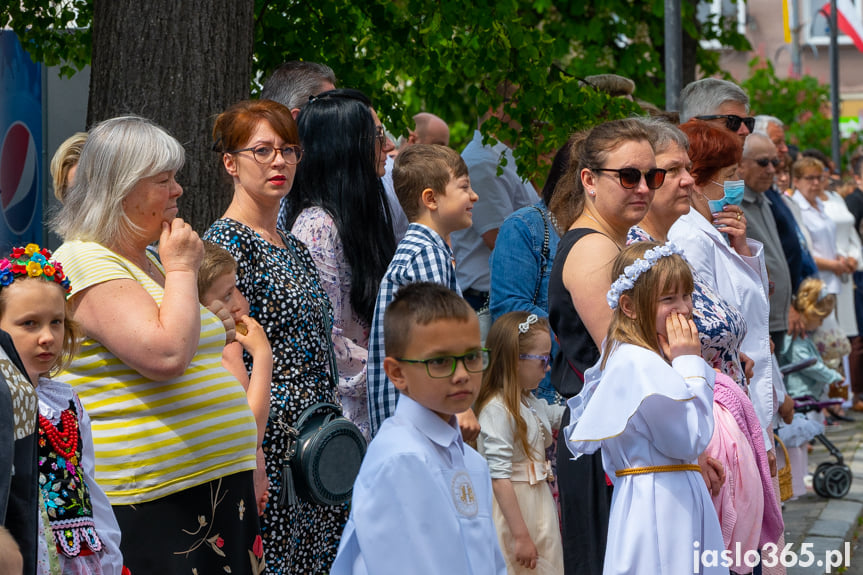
(721, 326)
(287, 299)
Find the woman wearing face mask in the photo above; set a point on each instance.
(714, 241)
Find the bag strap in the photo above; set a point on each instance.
(545, 250)
(311, 411)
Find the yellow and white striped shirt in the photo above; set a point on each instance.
(155, 438)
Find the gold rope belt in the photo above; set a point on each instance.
(656, 469)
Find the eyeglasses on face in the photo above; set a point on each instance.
(813, 178)
(380, 134)
(444, 366)
(265, 154)
(545, 359)
(631, 177)
(732, 121)
(764, 161)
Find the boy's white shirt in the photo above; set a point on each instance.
(422, 502)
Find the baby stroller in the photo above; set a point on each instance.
(831, 480)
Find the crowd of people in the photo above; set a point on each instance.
(578, 378)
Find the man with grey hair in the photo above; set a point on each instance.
(293, 82)
(775, 130)
(786, 215)
(757, 168)
(719, 102)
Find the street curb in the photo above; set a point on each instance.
(837, 522)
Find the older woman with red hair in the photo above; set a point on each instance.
(715, 244)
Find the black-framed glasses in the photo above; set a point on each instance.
(266, 154)
(545, 359)
(631, 177)
(732, 121)
(764, 161)
(444, 366)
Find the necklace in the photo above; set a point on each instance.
(604, 231)
(65, 442)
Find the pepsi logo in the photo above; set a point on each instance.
(19, 177)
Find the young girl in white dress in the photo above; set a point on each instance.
(81, 535)
(649, 405)
(516, 429)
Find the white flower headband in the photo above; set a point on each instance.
(630, 274)
(524, 326)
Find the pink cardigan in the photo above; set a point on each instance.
(730, 396)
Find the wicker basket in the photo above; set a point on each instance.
(786, 490)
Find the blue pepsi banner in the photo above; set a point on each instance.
(21, 169)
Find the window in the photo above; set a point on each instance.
(815, 26)
(722, 9)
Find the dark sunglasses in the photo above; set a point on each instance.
(631, 177)
(732, 121)
(764, 161)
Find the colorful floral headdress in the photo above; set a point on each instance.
(630, 274)
(31, 261)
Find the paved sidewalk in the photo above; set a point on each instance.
(828, 524)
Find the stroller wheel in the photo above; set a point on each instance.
(832, 480)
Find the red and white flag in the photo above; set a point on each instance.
(849, 20)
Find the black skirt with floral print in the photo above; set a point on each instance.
(208, 529)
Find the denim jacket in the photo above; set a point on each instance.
(517, 264)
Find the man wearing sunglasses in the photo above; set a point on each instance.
(719, 102)
(757, 168)
(786, 214)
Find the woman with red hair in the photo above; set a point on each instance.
(714, 241)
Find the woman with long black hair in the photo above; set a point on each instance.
(342, 216)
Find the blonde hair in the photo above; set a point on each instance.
(505, 342)
(808, 301)
(806, 163)
(71, 330)
(667, 273)
(217, 262)
(65, 158)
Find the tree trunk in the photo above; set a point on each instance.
(690, 49)
(179, 63)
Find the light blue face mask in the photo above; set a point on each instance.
(733, 196)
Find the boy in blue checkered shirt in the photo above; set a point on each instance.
(433, 188)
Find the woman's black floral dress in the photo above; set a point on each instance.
(287, 299)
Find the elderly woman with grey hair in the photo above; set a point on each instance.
(721, 326)
(174, 437)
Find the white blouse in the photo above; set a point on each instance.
(742, 282)
(848, 245)
(822, 232)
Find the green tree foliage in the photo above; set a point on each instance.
(803, 104)
(450, 57)
(54, 33)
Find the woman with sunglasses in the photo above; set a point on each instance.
(338, 209)
(607, 189)
(260, 150)
(716, 247)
